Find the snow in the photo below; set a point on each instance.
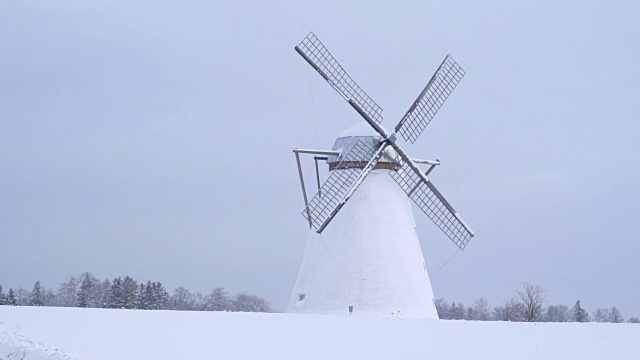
(138, 334)
(15, 346)
(369, 257)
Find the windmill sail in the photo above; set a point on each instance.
(430, 100)
(317, 55)
(344, 179)
(367, 259)
(425, 195)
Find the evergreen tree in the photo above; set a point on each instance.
(37, 297)
(116, 299)
(153, 300)
(141, 298)
(129, 292)
(457, 312)
(88, 294)
(148, 298)
(3, 297)
(634, 320)
(67, 293)
(104, 294)
(11, 298)
(161, 297)
(154, 296)
(579, 314)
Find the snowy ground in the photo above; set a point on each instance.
(72, 333)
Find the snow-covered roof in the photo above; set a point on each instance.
(361, 132)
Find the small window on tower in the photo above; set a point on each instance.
(300, 302)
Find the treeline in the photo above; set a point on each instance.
(528, 304)
(126, 293)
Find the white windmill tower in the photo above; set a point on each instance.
(369, 261)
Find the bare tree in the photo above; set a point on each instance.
(244, 302)
(218, 300)
(601, 315)
(615, 316)
(182, 299)
(532, 297)
(557, 313)
(49, 298)
(482, 310)
(443, 309)
(512, 310)
(22, 297)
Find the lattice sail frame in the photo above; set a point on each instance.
(338, 184)
(317, 55)
(423, 193)
(432, 203)
(430, 100)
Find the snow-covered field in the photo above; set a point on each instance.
(73, 333)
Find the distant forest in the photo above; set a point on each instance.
(528, 304)
(126, 293)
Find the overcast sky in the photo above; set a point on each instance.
(154, 139)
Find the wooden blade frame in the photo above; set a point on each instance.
(425, 195)
(343, 182)
(314, 52)
(430, 100)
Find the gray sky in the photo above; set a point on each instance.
(154, 139)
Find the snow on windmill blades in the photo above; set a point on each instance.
(428, 199)
(314, 52)
(320, 211)
(430, 100)
(363, 255)
(335, 189)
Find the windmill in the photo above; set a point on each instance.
(363, 255)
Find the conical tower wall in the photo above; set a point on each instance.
(368, 260)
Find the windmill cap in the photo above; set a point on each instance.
(357, 146)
